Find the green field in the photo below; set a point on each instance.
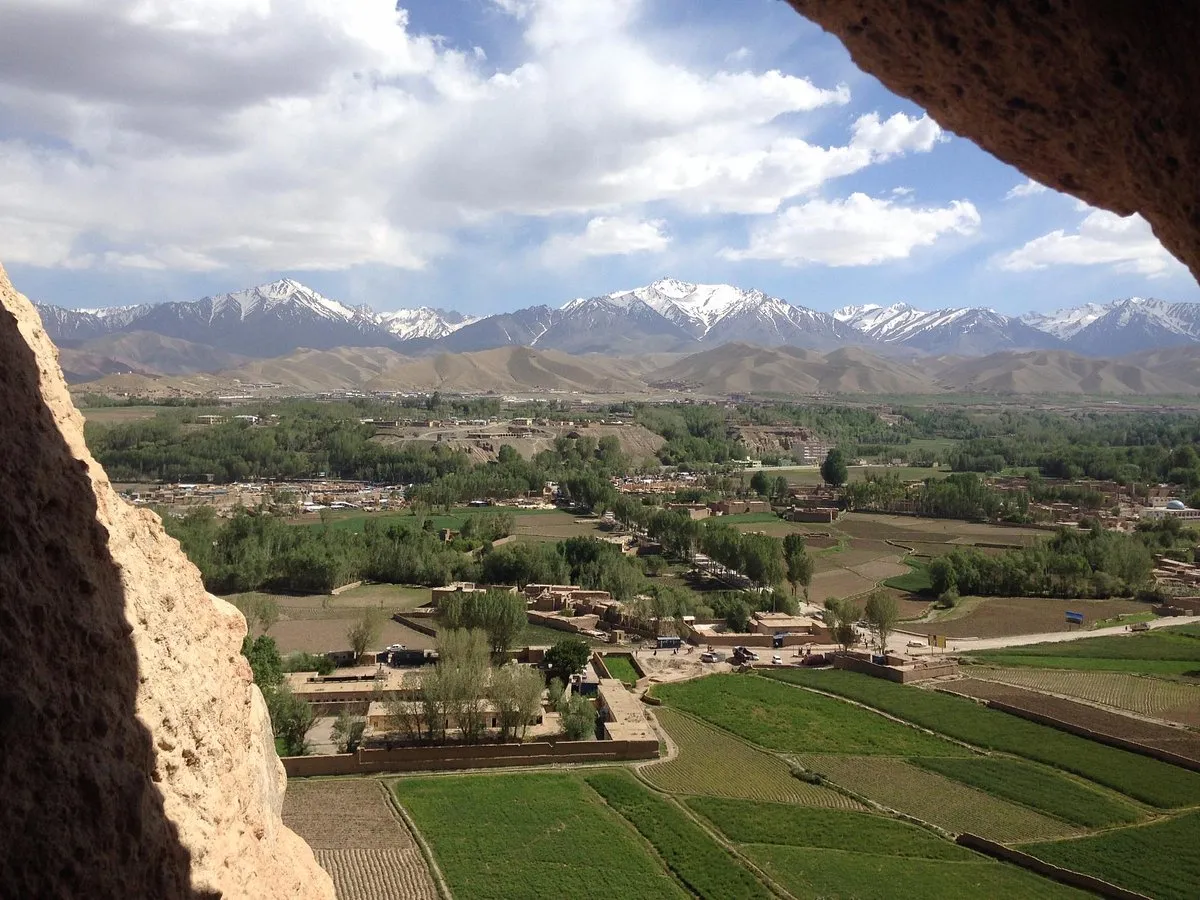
(1033, 786)
(1160, 860)
(540, 836)
(714, 763)
(1164, 651)
(834, 854)
(915, 581)
(832, 829)
(621, 668)
(843, 875)
(812, 475)
(779, 717)
(707, 869)
(1145, 779)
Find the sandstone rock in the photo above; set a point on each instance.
(136, 757)
(1096, 98)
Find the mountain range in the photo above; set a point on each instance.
(668, 316)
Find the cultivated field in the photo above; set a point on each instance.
(704, 867)
(116, 415)
(987, 617)
(1043, 789)
(541, 836)
(358, 839)
(899, 785)
(1156, 783)
(1174, 740)
(827, 853)
(1159, 698)
(1161, 860)
(621, 668)
(781, 717)
(1164, 651)
(712, 763)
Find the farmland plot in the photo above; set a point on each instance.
(1160, 860)
(1163, 737)
(358, 839)
(537, 836)
(1173, 701)
(898, 785)
(1164, 651)
(779, 717)
(712, 763)
(1148, 780)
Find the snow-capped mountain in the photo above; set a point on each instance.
(1065, 323)
(1136, 324)
(423, 322)
(967, 331)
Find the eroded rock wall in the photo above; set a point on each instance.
(136, 757)
(1097, 98)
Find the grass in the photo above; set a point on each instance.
(832, 829)
(539, 635)
(1160, 860)
(712, 763)
(621, 668)
(781, 718)
(1033, 786)
(537, 836)
(696, 859)
(1145, 779)
(1164, 651)
(842, 875)
(1159, 667)
(915, 581)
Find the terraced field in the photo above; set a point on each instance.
(714, 764)
(1173, 701)
(899, 785)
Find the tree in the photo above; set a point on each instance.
(291, 718)
(265, 662)
(555, 691)
(798, 563)
(464, 665)
(566, 658)
(942, 576)
(882, 614)
(516, 693)
(760, 483)
(780, 489)
(578, 717)
(364, 633)
(261, 612)
(407, 716)
(840, 616)
(834, 471)
(347, 731)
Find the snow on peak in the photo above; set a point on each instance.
(422, 322)
(284, 291)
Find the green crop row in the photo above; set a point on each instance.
(697, 860)
(1157, 783)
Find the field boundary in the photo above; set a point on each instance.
(478, 756)
(1099, 737)
(401, 813)
(1069, 877)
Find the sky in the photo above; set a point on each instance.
(487, 155)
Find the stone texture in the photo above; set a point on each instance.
(1097, 98)
(136, 757)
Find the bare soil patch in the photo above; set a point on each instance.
(343, 814)
(987, 617)
(329, 634)
(837, 583)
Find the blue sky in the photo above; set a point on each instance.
(485, 155)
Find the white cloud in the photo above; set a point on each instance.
(857, 231)
(608, 236)
(1027, 189)
(902, 191)
(1103, 239)
(315, 134)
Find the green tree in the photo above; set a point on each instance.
(840, 615)
(942, 576)
(882, 614)
(833, 470)
(291, 718)
(798, 563)
(265, 662)
(780, 489)
(516, 693)
(347, 731)
(364, 632)
(578, 717)
(760, 483)
(566, 658)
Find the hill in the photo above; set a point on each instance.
(1059, 372)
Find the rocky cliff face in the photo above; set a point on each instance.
(136, 757)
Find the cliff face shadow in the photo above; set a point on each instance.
(80, 814)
